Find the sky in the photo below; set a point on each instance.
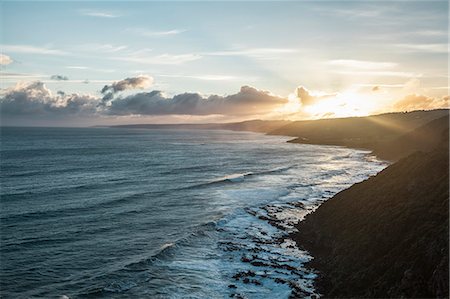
(112, 62)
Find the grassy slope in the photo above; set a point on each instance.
(361, 132)
(386, 236)
(424, 138)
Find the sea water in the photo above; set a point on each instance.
(134, 213)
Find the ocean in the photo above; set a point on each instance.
(135, 213)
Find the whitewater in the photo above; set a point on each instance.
(134, 213)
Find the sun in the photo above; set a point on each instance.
(344, 104)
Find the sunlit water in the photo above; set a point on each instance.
(161, 213)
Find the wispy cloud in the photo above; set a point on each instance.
(105, 48)
(437, 33)
(365, 11)
(430, 48)
(154, 33)
(20, 76)
(254, 52)
(361, 64)
(5, 59)
(99, 14)
(208, 77)
(373, 85)
(380, 74)
(76, 67)
(159, 59)
(32, 50)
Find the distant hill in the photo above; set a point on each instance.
(260, 126)
(387, 237)
(423, 138)
(391, 135)
(358, 132)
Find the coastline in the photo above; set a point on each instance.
(404, 206)
(226, 240)
(421, 131)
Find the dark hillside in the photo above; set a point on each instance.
(424, 138)
(360, 132)
(386, 236)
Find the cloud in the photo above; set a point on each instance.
(380, 74)
(150, 33)
(248, 101)
(59, 78)
(164, 59)
(31, 50)
(75, 67)
(433, 33)
(361, 64)
(100, 14)
(416, 102)
(208, 77)
(430, 48)
(106, 48)
(33, 103)
(367, 68)
(378, 86)
(261, 53)
(5, 59)
(366, 11)
(307, 98)
(20, 76)
(139, 82)
(34, 100)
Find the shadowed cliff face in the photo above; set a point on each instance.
(386, 236)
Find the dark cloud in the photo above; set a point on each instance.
(376, 88)
(307, 99)
(34, 100)
(139, 82)
(418, 102)
(248, 101)
(59, 78)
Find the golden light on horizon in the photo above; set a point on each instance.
(344, 104)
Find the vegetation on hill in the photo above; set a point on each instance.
(424, 138)
(358, 132)
(387, 236)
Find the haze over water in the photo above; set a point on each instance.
(133, 213)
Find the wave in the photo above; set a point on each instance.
(168, 249)
(239, 177)
(195, 168)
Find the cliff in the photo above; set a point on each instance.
(386, 236)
